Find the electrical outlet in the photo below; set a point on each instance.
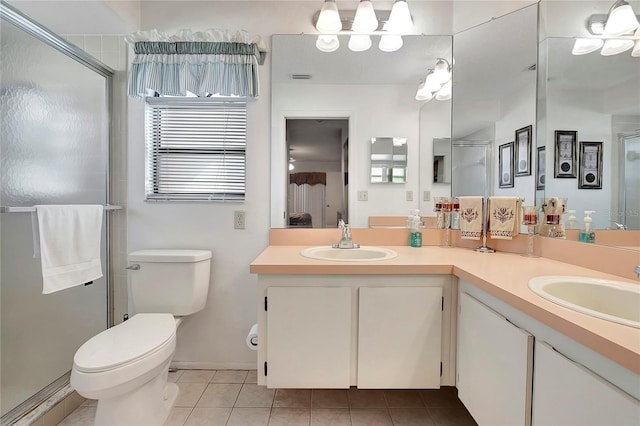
(363, 195)
(409, 195)
(238, 219)
(427, 196)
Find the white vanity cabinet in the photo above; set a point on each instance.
(566, 393)
(309, 341)
(369, 331)
(494, 366)
(399, 337)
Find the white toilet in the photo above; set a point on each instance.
(125, 367)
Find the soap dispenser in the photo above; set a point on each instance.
(586, 234)
(414, 221)
(571, 220)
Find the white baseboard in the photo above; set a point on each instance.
(195, 365)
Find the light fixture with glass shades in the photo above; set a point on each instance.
(437, 83)
(615, 33)
(361, 24)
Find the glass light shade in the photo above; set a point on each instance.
(423, 94)
(329, 18)
(621, 20)
(390, 43)
(359, 43)
(365, 20)
(444, 94)
(636, 50)
(614, 46)
(431, 82)
(400, 21)
(441, 72)
(291, 167)
(327, 43)
(582, 46)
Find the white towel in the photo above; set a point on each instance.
(69, 245)
(470, 218)
(504, 217)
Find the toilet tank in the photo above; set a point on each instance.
(169, 281)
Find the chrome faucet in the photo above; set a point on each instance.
(346, 242)
(619, 225)
(638, 271)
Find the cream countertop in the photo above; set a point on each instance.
(503, 275)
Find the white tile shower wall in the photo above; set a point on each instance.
(112, 50)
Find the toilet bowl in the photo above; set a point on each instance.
(125, 368)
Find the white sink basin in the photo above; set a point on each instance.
(614, 301)
(362, 254)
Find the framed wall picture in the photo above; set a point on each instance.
(566, 154)
(541, 167)
(523, 151)
(590, 171)
(505, 165)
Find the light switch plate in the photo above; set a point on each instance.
(363, 195)
(238, 219)
(409, 195)
(426, 196)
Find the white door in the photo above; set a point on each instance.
(566, 393)
(399, 337)
(309, 343)
(494, 366)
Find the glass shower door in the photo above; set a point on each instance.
(54, 125)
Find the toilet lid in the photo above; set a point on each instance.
(141, 335)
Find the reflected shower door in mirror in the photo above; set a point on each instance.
(388, 160)
(598, 98)
(375, 91)
(494, 98)
(317, 181)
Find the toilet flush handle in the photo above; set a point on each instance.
(133, 267)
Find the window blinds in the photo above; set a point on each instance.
(195, 149)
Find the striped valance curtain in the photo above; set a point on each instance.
(207, 63)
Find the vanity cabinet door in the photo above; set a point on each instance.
(566, 393)
(309, 337)
(399, 337)
(494, 366)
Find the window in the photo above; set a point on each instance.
(195, 149)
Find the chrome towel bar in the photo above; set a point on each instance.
(4, 209)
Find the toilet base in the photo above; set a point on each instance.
(148, 405)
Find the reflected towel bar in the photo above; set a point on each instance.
(4, 209)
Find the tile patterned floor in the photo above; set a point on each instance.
(232, 398)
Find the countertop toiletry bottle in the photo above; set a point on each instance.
(586, 234)
(571, 220)
(415, 224)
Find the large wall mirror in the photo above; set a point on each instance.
(370, 94)
(592, 98)
(494, 96)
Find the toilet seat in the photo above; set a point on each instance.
(126, 343)
(125, 356)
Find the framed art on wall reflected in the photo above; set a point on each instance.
(590, 172)
(541, 167)
(523, 151)
(505, 165)
(565, 158)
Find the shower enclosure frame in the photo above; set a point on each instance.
(40, 32)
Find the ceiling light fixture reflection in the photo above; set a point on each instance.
(327, 43)
(359, 43)
(444, 94)
(390, 43)
(614, 46)
(621, 19)
(442, 71)
(636, 49)
(582, 46)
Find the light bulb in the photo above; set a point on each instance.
(390, 43)
(614, 46)
(359, 43)
(621, 20)
(365, 20)
(400, 21)
(423, 94)
(582, 46)
(329, 18)
(327, 43)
